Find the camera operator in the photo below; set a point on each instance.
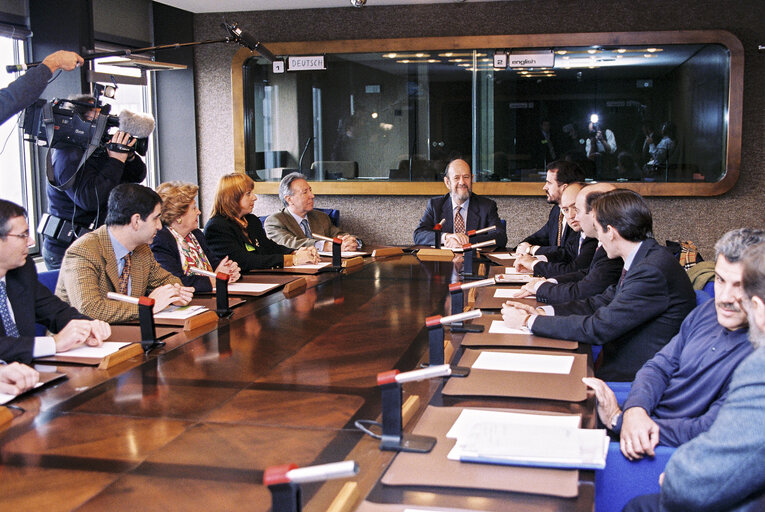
(80, 208)
(601, 148)
(27, 88)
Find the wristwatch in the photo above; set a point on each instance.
(615, 420)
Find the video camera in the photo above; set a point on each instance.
(59, 123)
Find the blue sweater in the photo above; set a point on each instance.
(683, 386)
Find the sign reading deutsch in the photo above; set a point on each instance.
(531, 60)
(305, 63)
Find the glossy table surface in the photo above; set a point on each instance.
(194, 425)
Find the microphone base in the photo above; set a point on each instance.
(224, 313)
(408, 443)
(149, 345)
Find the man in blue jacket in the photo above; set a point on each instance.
(722, 469)
(677, 394)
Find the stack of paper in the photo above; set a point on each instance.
(180, 312)
(515, 362)
(251, 287)
(527, 440)
(311, 266)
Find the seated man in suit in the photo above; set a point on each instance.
(602, 272)
(295, 224)
(553, 235)
(578, 251)
(722, 468)
(116, 258)
(25, 301)
(462, 210)
(633, 319)
(678, 393)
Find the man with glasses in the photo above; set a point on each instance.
(462, 210)
(24, 301)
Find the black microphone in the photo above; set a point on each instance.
(300, 162)
(247, 40)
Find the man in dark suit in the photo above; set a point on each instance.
(602, 272)
(552, 237)
(578, 250)
(636, 317)
(24, 301)
(462, 211)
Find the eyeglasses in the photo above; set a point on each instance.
(21, 236)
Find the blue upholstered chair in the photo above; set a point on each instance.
(48, 279)
(622, 480)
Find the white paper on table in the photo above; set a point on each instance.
(311, 266)
(543, 445)
(502, 256)
(345, 254)
(513, 278)
(180, 312)
(108, 348)
(535, 363)
(470, 417)
(251, 287)
(5, 397)
(512, 271)
(508, 293)
(499, 327)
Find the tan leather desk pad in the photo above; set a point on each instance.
(434, 469)
(485, 339)
(549, 386)
(485, 299)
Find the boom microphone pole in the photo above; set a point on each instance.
(236, 35)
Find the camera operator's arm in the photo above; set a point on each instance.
(28, 87)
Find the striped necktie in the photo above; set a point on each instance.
(306, 228)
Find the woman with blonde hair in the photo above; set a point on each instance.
(232, 230)
(180, 244)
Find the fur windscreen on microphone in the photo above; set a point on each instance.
(138, 125)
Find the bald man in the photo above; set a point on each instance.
(462, 211)
(602, 272)
(578, 250)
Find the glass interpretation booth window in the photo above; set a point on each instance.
(635, 113)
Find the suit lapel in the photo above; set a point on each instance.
(291, 224)
(139, 273)
(105, 244)
(474, 214)
(447, 212)
(22, 301)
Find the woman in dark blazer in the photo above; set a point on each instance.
(232, 230)
(180, 244)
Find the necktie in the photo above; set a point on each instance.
(579, 250)
(5, 314)
(306, 227)
(125, 275)
(560, 226)
(624, 273)
(459, 222)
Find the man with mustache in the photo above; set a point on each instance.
(677, 394)
(722, 468)
(462, 210)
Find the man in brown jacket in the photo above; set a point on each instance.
(117, 258)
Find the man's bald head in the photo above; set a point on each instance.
(568, 205)
(583, 205)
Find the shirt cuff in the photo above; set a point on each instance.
(319, 245)
(549, 311)
(539, 258)
(530, 322)
(44, 346)
(533, 249)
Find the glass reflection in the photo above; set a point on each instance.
(632, 113)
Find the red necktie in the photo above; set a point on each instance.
(459, 222)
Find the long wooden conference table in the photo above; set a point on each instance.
(193, 426)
